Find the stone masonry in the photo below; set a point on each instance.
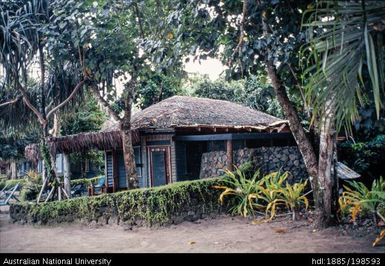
(267, 159)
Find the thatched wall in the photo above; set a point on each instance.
(82, 142)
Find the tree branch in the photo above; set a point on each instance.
(242, 29)
(78, 86)
(296, 82)
(11, 101)
(42, 79)
(104, 103)
(29, 104)
(139, 20)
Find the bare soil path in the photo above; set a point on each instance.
(224, 234)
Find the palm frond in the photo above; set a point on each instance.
(342, 40)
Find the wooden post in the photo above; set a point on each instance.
(67, 174)
(115, 171)
(13, 170)
(229, 153)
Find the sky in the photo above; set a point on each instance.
(211, 67)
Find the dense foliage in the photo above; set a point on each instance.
(253, 91)
(367, 158)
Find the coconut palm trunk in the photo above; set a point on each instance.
(326, 165)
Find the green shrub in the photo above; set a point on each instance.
(292, 196)
(357, 199)
(365, 158)
(149, 206)
(12, 182)
(266, 193)
(86, 181)
(31, 186)
(242, 189)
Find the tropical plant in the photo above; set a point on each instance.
(292, 196)
(365, 157)
(275, 191)
(31, 186)
(270, 188)
(266, 193)
(241, 188)
(357, 199)
(345, 39)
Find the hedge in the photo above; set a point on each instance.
(11, 183)
(174, 203)
(86, 181)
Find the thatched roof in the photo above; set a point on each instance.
(184, 111)
(176, 113)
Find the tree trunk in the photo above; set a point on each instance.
(129, 159)
(67, 174)
(125, 127)
(326, 172)
(49, 168)
(303, 142)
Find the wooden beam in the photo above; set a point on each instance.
(234, 136)
(229, 153)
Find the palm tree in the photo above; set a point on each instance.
(345, 39)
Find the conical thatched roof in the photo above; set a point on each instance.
(179, 113)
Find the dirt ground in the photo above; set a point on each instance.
(221, 235)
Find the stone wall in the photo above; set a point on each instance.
(267, 159)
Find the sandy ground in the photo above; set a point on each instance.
(221, 235)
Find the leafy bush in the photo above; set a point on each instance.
(12, 182)
(31, 186)
(365, 158)
(86, 181)
(292, 196)
(267, 193)
(357, 199)
(242, 188)
(270, 188)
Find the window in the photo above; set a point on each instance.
(87, 165)
(138, 162)
(59, 163)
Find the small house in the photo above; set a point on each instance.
(185, 138)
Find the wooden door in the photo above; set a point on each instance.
(160, 171)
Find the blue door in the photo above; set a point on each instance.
(122, 181)
(159, 164)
